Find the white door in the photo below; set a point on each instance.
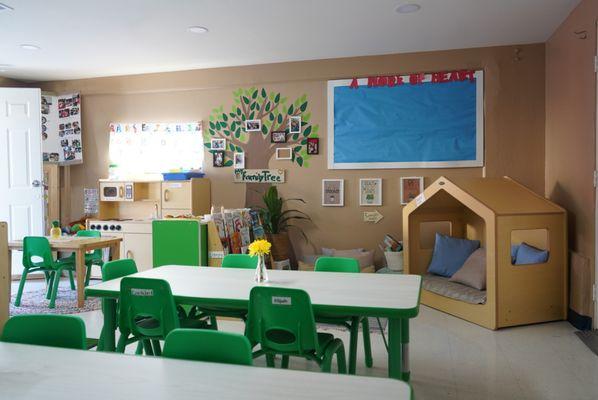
(21, 199)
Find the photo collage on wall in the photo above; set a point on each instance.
(61, 128)
(238, 228)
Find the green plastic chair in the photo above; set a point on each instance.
(347, 265)
(282, 321)
(91, 259)
(67, 331)
(208, 345)
(242, 261)
(39, 247)
(148, 313)
(114, 270)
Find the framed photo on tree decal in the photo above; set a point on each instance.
(295, 124)
(411, 187)
(313, 146)
(284, 153)
(253, 125)
(239, 160)
(218, 158)
(218, 144)
(278, 137)
(370, 192)
(333, 192)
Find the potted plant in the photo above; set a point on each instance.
(277, 220)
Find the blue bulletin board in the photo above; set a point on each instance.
(431, 122)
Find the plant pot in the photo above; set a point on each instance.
(282, 249)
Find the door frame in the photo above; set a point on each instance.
(594, 293)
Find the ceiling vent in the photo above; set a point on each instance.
(4, 7)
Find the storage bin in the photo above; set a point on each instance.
(394, 260)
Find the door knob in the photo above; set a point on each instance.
(36, 183)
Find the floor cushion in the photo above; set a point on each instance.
(444, 287)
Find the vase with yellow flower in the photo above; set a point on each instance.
(260, 248)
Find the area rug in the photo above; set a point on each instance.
(35, 302)
(590, 339)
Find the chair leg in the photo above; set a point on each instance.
(270, 360)
(353, 345)
(213, 322)
(367, 345)
(335, 348)
(285, 362)
(88, 275)
(55, 283)
(72, 280)
(341, 361)
(147, 346)
(50, 284)
(122, 343)
(21, 286)
(139, 349)
(156, 347)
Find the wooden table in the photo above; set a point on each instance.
(395, 297)
(79, 246)
(36, 372)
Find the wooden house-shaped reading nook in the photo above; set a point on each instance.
(522, 238)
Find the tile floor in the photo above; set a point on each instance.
(453, 359)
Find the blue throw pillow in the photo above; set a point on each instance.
(527, 254)
(450, 253)
(514, 248)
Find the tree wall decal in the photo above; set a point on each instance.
(274, 112)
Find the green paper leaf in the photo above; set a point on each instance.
(246, 100)
(208, 145)
(239, 111)
(307, 131)
(264, 129)
(254, 95)
(297, 148)
(263, 93)
(212, 125)
(277, 98)
(252, 115)
(228, 163)
(239, 149)
(231, 147)
(299, 161)
(296, 136)
(271, 117)
(303, 106)
(279, 120)
(304, 141)
(291, 109)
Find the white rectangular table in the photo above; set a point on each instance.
(391, 296)
(36, 372)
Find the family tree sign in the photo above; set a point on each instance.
(274, 111)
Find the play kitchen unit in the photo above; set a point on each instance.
(127, 209)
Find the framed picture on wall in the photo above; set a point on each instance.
(239, 160)
(370, 192)
(218, 144)
(411, 187)
(284, 153)
(218, 160)
(313, 146)
(295, 124)
(333, 192)
(253, 125)
(278, 137)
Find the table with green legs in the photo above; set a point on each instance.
(395, 297)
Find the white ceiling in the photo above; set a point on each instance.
(90, 38)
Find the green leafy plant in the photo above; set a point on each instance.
(275, 218)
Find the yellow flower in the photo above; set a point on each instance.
(259, 248)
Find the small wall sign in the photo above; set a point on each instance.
(259, 176)
(372, 216)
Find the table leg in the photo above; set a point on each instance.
(405, 367)
(109, 328)
(9, 265)
(80, 272)
(395, 348)
(115, 251)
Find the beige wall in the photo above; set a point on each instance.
(570, 125)
(514, 128)
(7, 82)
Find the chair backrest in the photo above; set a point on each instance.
(118, 269)
(244, 261)
(337, 264)
(281, 320)
(208, 345)
(88, 233)
(37, 246)
(150, 300)
(67, 331)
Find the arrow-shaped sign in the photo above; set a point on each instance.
(372, 216)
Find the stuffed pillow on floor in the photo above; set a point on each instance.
(450, 253)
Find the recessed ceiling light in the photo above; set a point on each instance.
(30, 47)
(408, 8)
(197, 29)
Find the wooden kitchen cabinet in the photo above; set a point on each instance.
(186, 197)
(138, 246)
